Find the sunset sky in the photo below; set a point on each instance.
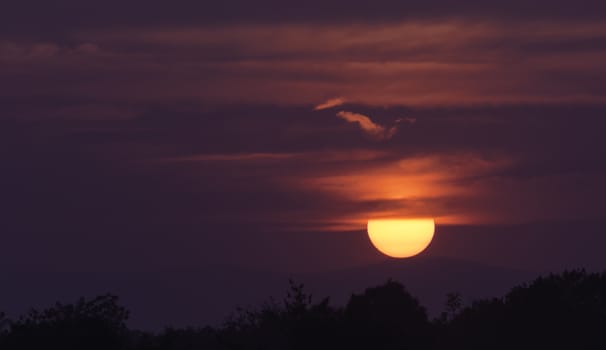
(150, 136)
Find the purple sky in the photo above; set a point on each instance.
(145, 136)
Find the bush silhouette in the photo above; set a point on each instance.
(562, 311)
(386, 317)
(4, 324)
(88, 324)
(296, 323)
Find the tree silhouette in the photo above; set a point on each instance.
(564, 311)
(177, 339)
(4, 324)
(387, 317)
(296, 323)
(88, 324)
(452, 306)
(559, 311)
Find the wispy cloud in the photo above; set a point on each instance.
(407, 120)
(242, 157)
(374, 130)
(412, 186)
(324, 156)
(333, 102)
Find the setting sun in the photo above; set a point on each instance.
(401, 238)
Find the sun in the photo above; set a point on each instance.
(401, 238)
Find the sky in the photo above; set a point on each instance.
(148, 136)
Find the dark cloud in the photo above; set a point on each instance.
(46, 20)
(123, 73)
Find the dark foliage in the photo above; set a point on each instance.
(296, 324)
(563, 311)
(386, 317)
(4, 323)
(88, 324)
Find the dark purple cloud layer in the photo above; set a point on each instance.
(41, 19)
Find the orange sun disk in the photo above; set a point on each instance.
(401, 238)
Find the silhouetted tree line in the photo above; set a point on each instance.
(559, 311)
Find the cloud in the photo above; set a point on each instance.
(243, 157)
(11, 51)
(333, 102)
(323, 156)
(421, 185)
(376, 131)
(407, 120)
(441, 63)
(68, 16)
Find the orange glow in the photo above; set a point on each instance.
(376, 184)
(401, 238)
(408, 178)
(408, 187)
